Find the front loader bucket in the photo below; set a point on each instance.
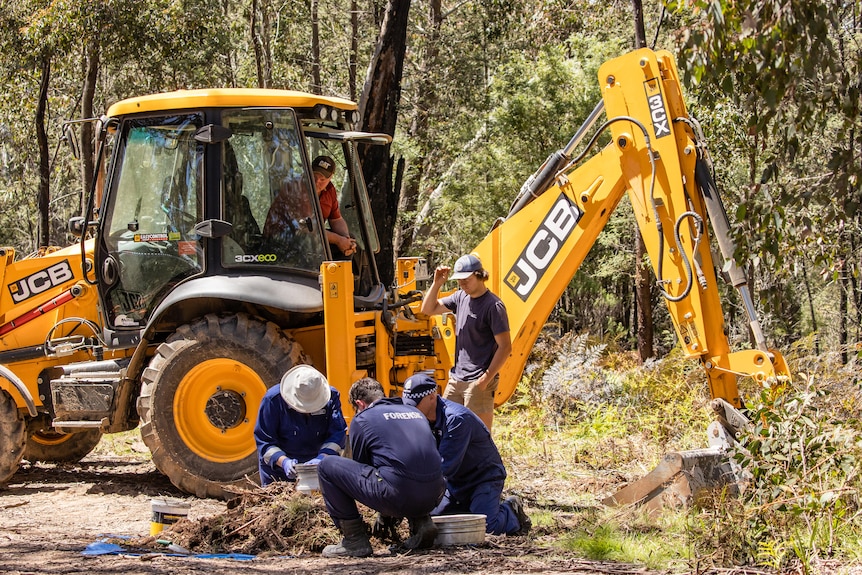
(678, 481)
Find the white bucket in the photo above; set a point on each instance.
(167, 512)
(467, 529)
(306, 478)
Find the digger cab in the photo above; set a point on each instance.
(208, 204)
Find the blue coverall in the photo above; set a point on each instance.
(281, 430)
(473, 468)
(395, 467)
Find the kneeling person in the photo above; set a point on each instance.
(472, 465)
(395, 470)
(299, 421)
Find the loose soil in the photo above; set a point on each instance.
(49, 515)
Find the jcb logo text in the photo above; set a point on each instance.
(543, 247)
(43, 280)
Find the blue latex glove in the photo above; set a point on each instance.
(314, 461)
(288, 466)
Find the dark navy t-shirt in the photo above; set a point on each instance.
(395, 437)
(477, 321)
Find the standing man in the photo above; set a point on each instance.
(472, 465)
(395, 470)
(482, 340)
(323, 167)
(299, 421)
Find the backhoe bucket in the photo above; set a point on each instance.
(679, 480)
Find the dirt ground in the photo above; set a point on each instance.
(49, 515)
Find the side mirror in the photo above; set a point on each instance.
(71, 138)
(78, 225)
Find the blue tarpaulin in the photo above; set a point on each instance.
(104, 548)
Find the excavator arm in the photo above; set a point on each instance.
(657, 156)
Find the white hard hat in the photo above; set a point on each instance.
(305, 389)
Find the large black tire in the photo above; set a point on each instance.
(13, 436)
(200, 396)
(53, 446)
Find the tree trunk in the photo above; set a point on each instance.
(426, 96)
(643, 296)
(378, 108)
(88, 148)
(810, 298)
(44, 197)
(856, 293)
(843, 293)
(354, 48)
(855, 265)
(230, 52)
(266, 34)
(260, 32)
(642, 273)
(316, 86)
(640, 33)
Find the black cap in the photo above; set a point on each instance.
(324, 165)
(416, 387)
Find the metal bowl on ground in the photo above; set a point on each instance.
(306, 478)
(465, 529)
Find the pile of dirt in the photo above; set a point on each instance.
(274, 520)
(271, 520)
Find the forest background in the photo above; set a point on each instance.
(477, 94)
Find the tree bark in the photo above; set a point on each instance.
(316, 86)
(856, 293)
(260, 31)
(843, 294)
(810, 298)
(230, 52)
(643, 297)
(426, 96)
(44, 197)
(378, 108)
(88, 148)
(354, 48)
(266, 35)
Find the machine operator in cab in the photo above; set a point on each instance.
(338, 235)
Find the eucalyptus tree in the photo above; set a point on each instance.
(378, 110)
(85, 55)
(792, 70)
(456, 50)
(27, 57)
(500, 96)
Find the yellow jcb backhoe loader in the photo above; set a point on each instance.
(203, 274)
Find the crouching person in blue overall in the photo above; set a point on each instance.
(299, 421)
(472, 465)
(395, 470)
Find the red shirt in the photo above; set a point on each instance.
(329, 203)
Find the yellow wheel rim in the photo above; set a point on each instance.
(49, 438)
(215, 409)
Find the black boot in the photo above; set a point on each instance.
(523, 519)
(422, 533)
(354, 543)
